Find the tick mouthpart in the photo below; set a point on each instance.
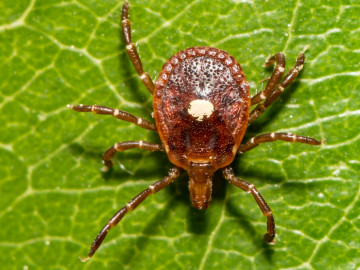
(201, 205)
(200, 184)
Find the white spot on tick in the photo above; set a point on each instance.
(228, 61)
(174, 60)
(168, 67)
(200, 108)
(236, 68)
(251, 187)
(152, 188)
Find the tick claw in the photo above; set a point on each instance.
(84, 259)
(265, 79)
(105, 169)
(269, 239)
(305, 49)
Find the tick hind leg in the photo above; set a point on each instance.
(271, 137)
(118, 147)
(152, 189)
(250, 188)
(131, 49)
(115, 113)
(272, 90)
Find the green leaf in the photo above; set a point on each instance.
(53, 197)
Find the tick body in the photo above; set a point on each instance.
(202, 109)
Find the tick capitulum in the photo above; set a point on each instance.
(202, 109)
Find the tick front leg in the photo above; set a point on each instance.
(289, 78)
(115, 113)
(271, 137)
(131, 49)
(279, 58)
(152, 189)
(250, 188)
(118, 147)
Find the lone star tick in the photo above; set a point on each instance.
(202, 109)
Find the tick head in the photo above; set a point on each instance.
(200, 184)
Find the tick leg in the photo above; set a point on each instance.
(279, 58)
(260, 108)
(271, 137)
(250, 188)
(131, 49)
(152, 189)
(115, 113)
(118, 147)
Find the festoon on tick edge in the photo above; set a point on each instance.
(202, 109)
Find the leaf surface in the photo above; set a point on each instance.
(54, 199)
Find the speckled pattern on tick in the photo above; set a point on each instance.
(202, 109)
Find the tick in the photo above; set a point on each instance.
(202, 109)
